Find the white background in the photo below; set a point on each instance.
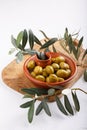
(51, 16)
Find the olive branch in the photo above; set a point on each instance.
(43, 95)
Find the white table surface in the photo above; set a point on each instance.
(51, 16)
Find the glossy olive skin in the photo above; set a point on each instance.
(33, 74)
(38, 70)
(49, 69)
(52, 78)
(59, 59)
(44, 73)
(40, 77)
(64, 65)
(31, 65)
(55, 66)
(62, 73)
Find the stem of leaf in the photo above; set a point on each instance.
(79, 90)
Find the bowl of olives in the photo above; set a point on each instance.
(57, 72)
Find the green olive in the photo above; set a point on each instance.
(31, 65)
(38, 70)
(49, 69)
(60, 79)
(64, 65)
(40, 77)
(33, 74)
(68, 72)
(52, 78)
(59, 59)
(62, 73)
(44, 73)
(55, 66)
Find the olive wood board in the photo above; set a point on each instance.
(14, 77)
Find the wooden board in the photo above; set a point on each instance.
(13, 75)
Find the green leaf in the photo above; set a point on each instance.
(48, 43)
(76, 101)
(31, 112)
(33, 91)
(80, 42)
(27, 104)
(13, 41)
(11, 51)
(84, 54)
(66, 34)
(19, 56)
(27, 96)
(70, 43)
(30, 52)
(46, 108)
(60, 106)
(54, 49)
(31, 39)
(24, 39)
(68, 105)
(44, 34)
(39, 108)
(19, 38)
(37, 41)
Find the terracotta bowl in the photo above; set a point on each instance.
(41, 84)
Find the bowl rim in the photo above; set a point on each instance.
(35, 81)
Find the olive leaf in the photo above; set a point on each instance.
(29, 51)
(39, 108)
(27, 104)
(66, 35)
(84, 54)
(60, 105)
(31, 39)
(37, 41)
(31, 112)
(13, 41)
(54, 49)
(19, 57)
(19, 38)
(80, 42)
(46, 108)
(76, 101)
(48, 43)
(24, 39)
(11, 51)
(33, 91)
(68, 105)
(44, 34)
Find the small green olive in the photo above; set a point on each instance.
(62, 73)
(64, 65)
(59, 59)
(40, 77)
(33, 74)
(55, 66)
(60, 79)
(68, 72)
(44, 73)
(38, 70)
(31, 65)
(49, 69)
(52, 78)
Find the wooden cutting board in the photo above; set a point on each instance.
(14, 77)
